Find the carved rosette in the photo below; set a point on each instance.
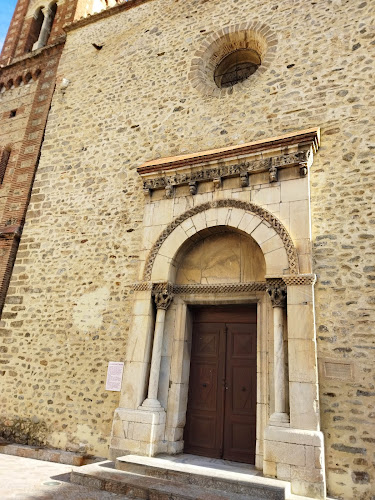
(277, 294)
(163, 295)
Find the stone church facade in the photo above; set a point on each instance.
(214, 236)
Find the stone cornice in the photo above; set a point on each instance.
(84, 21)
(304, 138)
(295, 149)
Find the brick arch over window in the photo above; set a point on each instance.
(266, 229)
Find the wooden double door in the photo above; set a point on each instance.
(221, 411)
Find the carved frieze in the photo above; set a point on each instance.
(216, 174)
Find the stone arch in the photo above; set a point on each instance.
(266, 229)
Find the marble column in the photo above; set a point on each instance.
(280, 416)
(45, 29)
(163, 298)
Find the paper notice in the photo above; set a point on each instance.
(114, 376)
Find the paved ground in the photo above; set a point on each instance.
(28, 479)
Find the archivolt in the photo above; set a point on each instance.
(264, 214)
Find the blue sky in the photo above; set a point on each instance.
(6, 12)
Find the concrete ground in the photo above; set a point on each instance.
(28, 479)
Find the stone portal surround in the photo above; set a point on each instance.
(152, 412)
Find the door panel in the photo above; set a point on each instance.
(240, 398)
(204, 420)
(220, 420)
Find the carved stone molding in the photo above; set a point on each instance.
(277, 295)
(249, 207)
(163, 295)
(142, 286)
(216, 174)
(301, 279)
(254, 286)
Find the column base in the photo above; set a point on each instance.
(151, 405)
(279, 420)
(138, 432)
(297, 456)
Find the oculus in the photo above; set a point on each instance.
(236, 67)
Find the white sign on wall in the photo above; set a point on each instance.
(114, 376)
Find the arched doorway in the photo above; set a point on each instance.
(221, 405)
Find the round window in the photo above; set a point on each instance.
(236, 67)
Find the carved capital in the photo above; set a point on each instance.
(47, 11)
(278, 295)
(163, 295)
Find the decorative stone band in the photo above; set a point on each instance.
(254, 286)
(251, 286)
(291, 279)
(300, 279)
(249, 207)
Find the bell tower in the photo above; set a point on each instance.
(28, 66)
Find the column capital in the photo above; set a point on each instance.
(163, 295)
(277, 293)
(47, 11)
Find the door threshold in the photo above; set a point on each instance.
(210, 463)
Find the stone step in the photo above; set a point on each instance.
(39, 453)
(103, 476)
(214, 474)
